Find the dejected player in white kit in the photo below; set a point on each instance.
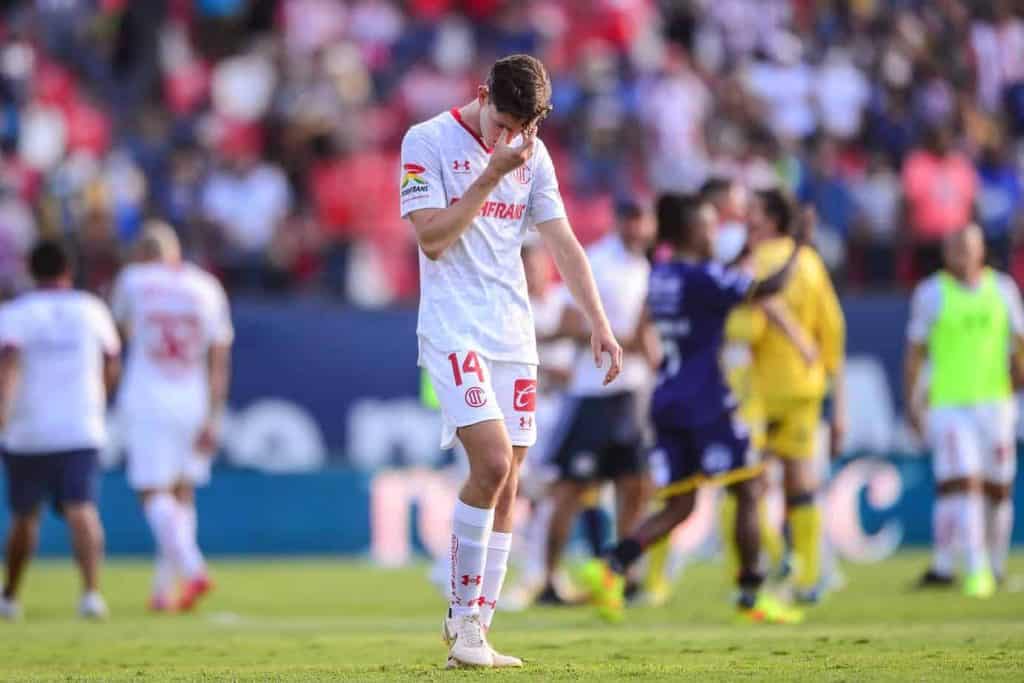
(474, 180)
(176, 321)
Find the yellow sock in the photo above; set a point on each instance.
(727, 519)
(805, 526)
(771, 538)
(657, 560)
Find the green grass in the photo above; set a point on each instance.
(319, 620)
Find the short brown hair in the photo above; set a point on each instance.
(519, 86)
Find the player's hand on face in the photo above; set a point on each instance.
(206, 440)
(506, 158)
(603, 341)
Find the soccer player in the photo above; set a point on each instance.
(792, 390)
(604, 427)
(700, 438)
(968, 323)
(59, 356)
(178, 330)
(743, 328)
(474, 180)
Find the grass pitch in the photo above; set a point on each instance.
(327, 620)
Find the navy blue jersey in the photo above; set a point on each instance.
(689, 303)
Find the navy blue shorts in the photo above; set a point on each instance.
(64, 477)
(602, 439)
(718, 452)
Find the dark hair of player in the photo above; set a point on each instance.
(519, 86)
(713, 189)
(48, 261)
(778, 209)
(678, 217)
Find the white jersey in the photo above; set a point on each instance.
(473, 297)
(173, 314)
(60, 400)
(621, 278)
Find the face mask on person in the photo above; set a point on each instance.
(730, 240)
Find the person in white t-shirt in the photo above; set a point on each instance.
(177, 326)
(59, 356)
(473, 182)
(602, 435)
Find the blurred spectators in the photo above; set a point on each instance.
(266, 131)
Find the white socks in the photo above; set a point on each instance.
(161, 510)
(999, 530)
(173, 527)
(192, 563)
(471, 532)
(495, 568)
(944, 535)
(971, 518)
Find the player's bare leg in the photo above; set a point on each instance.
(198, 582)
(632, 493)
(565, 497)
(22, 540)
(490, 456)
(87, 544)
(606, 579)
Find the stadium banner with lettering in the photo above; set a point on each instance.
(393, 516)
(320, 385)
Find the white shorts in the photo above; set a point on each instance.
(472, 389)
(160, 455)
(974, 441)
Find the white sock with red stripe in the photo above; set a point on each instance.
(471, 531)
(495, 568)
(999, 530)
(944, 533)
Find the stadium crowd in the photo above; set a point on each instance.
(266, 131)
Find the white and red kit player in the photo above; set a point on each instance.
(474, 181)
(176, 319)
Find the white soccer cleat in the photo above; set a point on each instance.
(505, 661)
(93, 606)
(449, 633)
(466, 642)
(10, 609)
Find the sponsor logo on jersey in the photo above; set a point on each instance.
(412, 182)
(525, 398)
(460, 166)
(412, 175)
(510, 212)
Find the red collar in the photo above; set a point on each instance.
(457, 115)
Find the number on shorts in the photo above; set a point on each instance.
(470, 365)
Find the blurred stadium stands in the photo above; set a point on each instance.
(267, 130)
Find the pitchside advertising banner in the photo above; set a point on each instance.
(328, 449)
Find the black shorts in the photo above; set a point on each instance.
(65, 477)
(718, 452)
(602, 438)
